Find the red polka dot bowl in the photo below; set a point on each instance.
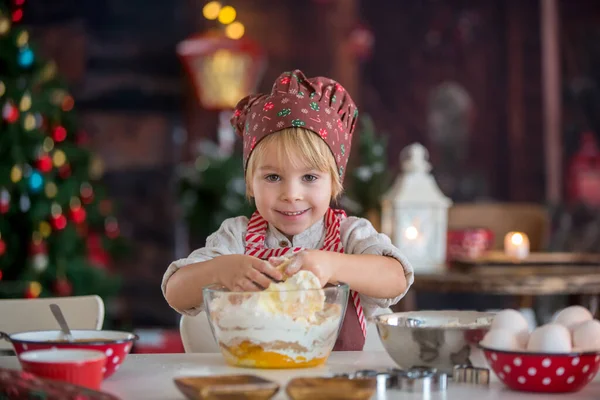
(114, 344)
(543, 372)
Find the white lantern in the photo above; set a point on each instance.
(415, 212)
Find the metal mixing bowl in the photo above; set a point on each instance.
(439, 339)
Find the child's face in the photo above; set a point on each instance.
(289, 195)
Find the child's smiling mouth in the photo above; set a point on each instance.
(292, 213)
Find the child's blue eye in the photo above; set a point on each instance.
(310, 178)
(272, 178)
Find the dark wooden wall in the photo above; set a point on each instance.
(420, 45)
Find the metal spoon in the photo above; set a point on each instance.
(60, 318)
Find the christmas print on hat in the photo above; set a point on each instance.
(318, 104)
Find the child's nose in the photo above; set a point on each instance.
(291, 192)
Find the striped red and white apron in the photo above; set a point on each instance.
(354, 328)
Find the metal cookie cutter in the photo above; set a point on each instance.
(422, 379)
(471, 375)
(384, 379)
(417, 379)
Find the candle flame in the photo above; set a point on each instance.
(411, 233)
(516, 239)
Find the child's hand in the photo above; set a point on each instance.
(317, 261)
(247, 273)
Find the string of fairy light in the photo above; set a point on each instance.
(226, 16)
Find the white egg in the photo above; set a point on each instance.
(572, 316)
(550, 338)
(513, 321)
(586, 336)
(501, 339)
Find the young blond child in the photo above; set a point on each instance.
(296, 145)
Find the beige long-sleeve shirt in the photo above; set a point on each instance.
(357, 234)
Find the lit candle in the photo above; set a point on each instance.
(516, 244)
(411, 233)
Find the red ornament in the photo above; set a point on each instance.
(37, 247)
(87, 193)
(65, 171)
(112, 227)
(0, 275)
(68, 103)
(59, 133)
(17, 15)
(44, 163)
(87, 199)
(78, 214)
(62, 287)
(96, 253)
(10, 113)
(4, 201)
(59, 222)
(2, 250)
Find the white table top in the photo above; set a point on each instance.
(150, 376)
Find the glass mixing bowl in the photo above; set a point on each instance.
(276, 329)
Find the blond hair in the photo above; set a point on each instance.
(297, 144)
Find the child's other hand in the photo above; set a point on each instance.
(317, 261)
(248, 273)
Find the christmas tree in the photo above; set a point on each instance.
(370, 179)
(213, 189)
(58, 234)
